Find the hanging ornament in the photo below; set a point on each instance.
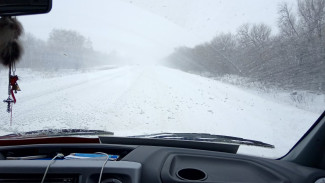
(10, 53)
(10, 46)
(14, 86)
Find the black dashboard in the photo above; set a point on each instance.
(148, 164)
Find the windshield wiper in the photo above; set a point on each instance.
(205, 137)
(55, 133)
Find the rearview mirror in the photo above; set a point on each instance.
(24, 7)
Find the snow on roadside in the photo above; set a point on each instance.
(306, 100)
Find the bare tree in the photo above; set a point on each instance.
(294, 58)
(287, 21)
(257, 35)
(312, 13)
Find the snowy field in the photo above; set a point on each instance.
(135, 100)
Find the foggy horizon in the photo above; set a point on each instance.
(149, 32)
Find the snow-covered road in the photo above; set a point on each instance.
(136, 100)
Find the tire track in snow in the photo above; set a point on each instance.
(67, 86)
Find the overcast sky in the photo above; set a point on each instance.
(150, 29)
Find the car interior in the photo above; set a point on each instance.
(143, 160)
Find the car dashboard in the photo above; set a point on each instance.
(146, 164)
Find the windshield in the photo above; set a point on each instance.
(250, 69)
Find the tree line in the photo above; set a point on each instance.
(64, 49)
(293, 58)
